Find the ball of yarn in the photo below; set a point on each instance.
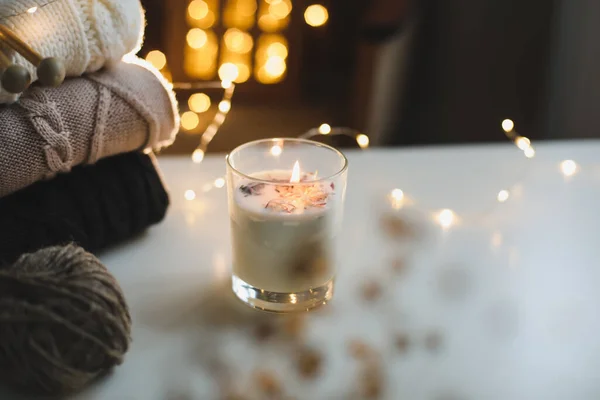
(63, 320)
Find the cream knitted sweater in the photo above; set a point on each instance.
(122, 108)
(86, 34)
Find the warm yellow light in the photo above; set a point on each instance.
(325, 129)
(189, 120)
(226, 84)
(316, 15)
(32, 10)
(157, 58)
(277, 50)
(268, 23)
(238, 41)
(189, 195)
(446, 218)
(219, 119)
(243, 73)
(529, 152)
(228, 72)
(198, 9)
(362, 140)
(205, 23)
(219, 183)
(295, 173)
(276, 150)
(225, 106)
(263, 77)
(522, 142)
(568, 167)
(202, 63)
(280, 9)
(397, 198)
(397, 194)
(198, 156)
(246, 8)
(199, 102)
(275, 66)
(196, 38)
(503, 195)
(508, 125)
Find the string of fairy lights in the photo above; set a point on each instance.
(272, 16)
(397, 198)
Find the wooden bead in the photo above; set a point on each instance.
(16, 79)
(51, 71)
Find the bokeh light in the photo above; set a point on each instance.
(199, 102)
(196, 38)
(228, 72)
(568, 168)
(325, 129)
(198, 156)
(189, 195)
(198, 9)
(238, 41)
(503, 195)
(316, 15)
(225, 106)
(508, 125)
(189, 120)
(157, 58)
(362, 140)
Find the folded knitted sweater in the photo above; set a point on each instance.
(86, 34)
(120, 109)
(94, 206)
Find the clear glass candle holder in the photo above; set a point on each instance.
(286, 199)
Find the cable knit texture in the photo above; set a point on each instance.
(86, 34)
(49, 130)
(94, 206)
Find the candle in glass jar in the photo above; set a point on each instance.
(282, 234)
(284, 219)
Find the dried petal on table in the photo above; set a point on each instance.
(396, 227)
(268, 383)
(264, 330)
(359, 349)
(402, 342)
(433, 341)
(398, 265)
(309, 363)
(371, 382)
(371, 290)
(293, 325)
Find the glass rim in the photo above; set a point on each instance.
(297, 140)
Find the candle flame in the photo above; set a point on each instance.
(295, 173)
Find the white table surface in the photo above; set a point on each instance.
(523, 320)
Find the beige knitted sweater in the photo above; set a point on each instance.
(86, 34)
(49, 130)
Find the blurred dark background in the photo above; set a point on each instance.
(404, 72)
